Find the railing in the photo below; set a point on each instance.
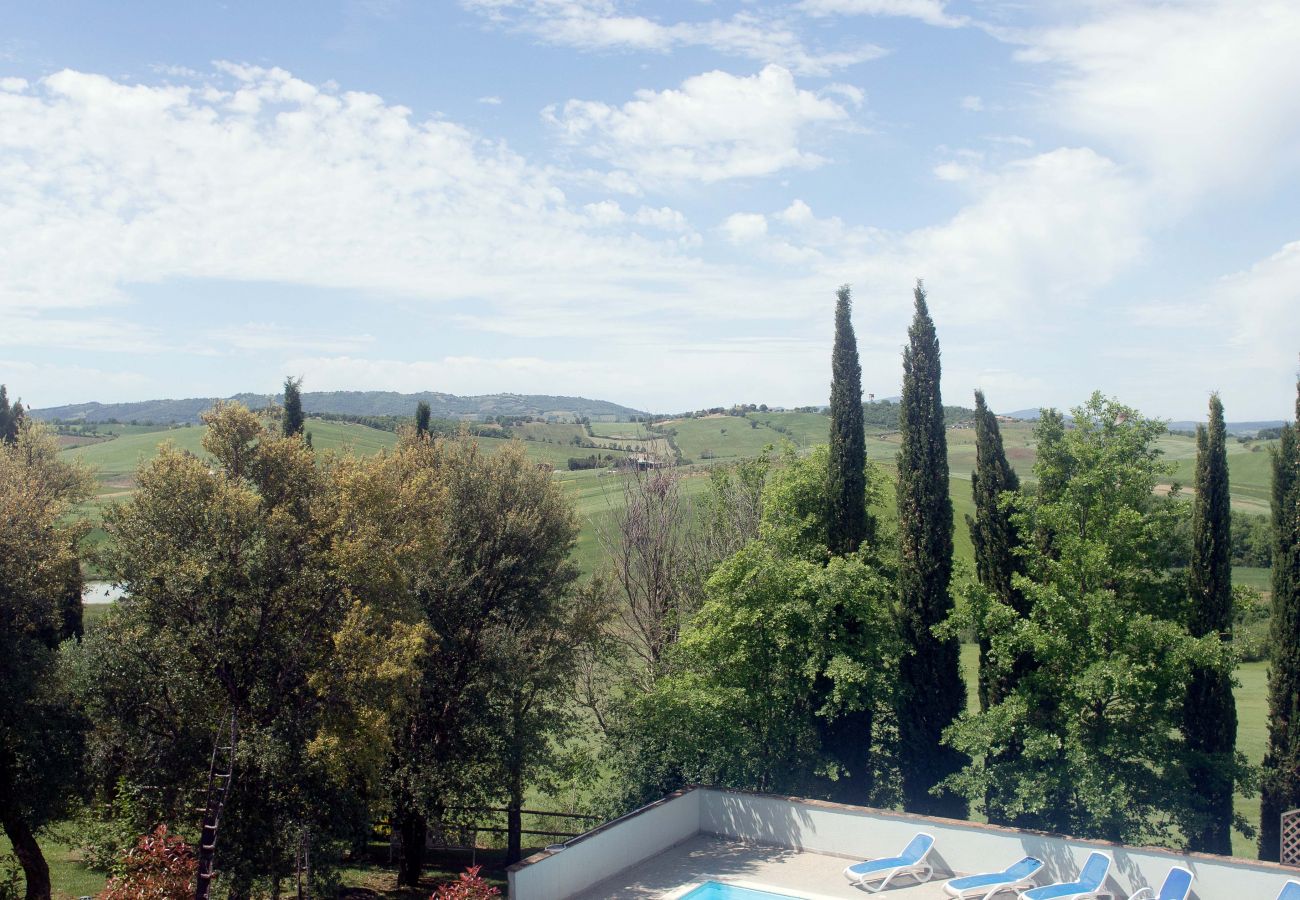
(461, 832)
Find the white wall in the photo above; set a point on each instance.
(968, 848)
(596, 856)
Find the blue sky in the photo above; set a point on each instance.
(651, 203)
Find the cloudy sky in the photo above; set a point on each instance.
(651, 203)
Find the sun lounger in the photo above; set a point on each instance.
(1178, 884)
(1088, 887)
(910, 862)
(1290, 891)
(1013, 878)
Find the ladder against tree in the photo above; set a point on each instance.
(1289, 853)
(220, 771)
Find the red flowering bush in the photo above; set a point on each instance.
(469, 886)
(158, 867)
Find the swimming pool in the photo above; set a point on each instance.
(716, 890)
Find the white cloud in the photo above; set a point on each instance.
(490, 101)
(599, 25)
(714, 127)
(1201, 93)
(972, 103)
(260, 176)
(931, 12)
(1260, 305)
(741, 228)
(270, 336)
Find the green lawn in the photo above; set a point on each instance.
(68, 877)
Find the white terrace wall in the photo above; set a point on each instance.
(966, 847)
(608, 850)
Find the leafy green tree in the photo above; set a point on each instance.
(744, 699)
(240, 599)
(1280, 790)
(848, 522)
(490, 579)
(422, 413)
(40, 733)
(1210, 712)
(294, 419)
(1087, 741)
(931, 691)
(994, 536)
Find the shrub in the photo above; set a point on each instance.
(158, 867)
(469, 886)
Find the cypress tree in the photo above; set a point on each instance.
(847, 738)
(1280, 788)
(422, 414)
(993, 534)
(847, 524)
(4, 413)
(293, 415)
(1209, 711)
(931, 691)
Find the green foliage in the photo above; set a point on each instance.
(994, 537)
(1088, 741)
(1281, 777)
(786, 640)
(737, 705)
(40, 599)
(422, 414)
(930, 690)
(242, 596)
(293, 419)
(848, 524)
(1210, 714)
(11, 417)
(158, 867)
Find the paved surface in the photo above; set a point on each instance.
(812, 876)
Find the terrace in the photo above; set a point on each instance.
(799, 848)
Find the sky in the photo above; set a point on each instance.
(651, 203)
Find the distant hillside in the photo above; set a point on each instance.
(1233, 428)
(355, 403)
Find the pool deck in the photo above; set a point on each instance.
(812, 876)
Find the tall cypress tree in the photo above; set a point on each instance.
(1280, 790)
(931, 693)
(293, 415)
(993, 534)
(1209, 711)
(847, 524)
(847, 738)
(4, 413)
(422, 414)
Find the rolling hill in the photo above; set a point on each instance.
(353, 403)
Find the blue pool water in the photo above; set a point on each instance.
(716, 890)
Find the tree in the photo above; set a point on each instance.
(243, 599)
(931, 691)
(40, 733)
(11, 417)
(1087, 741)
(994, 537)
(849, 525)
(1209, 711)
(1280, 789)
(293, 415)
(489, 580)
(787, 637)
(422, 413)
(651, 548)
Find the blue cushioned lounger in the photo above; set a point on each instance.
(1013, 878)
(1290, 891)
(1178, 884)
(1087, 887)
(910, 862)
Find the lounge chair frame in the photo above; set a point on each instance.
(921, 870)
(1015, 885)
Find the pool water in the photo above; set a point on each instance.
(716, 890)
